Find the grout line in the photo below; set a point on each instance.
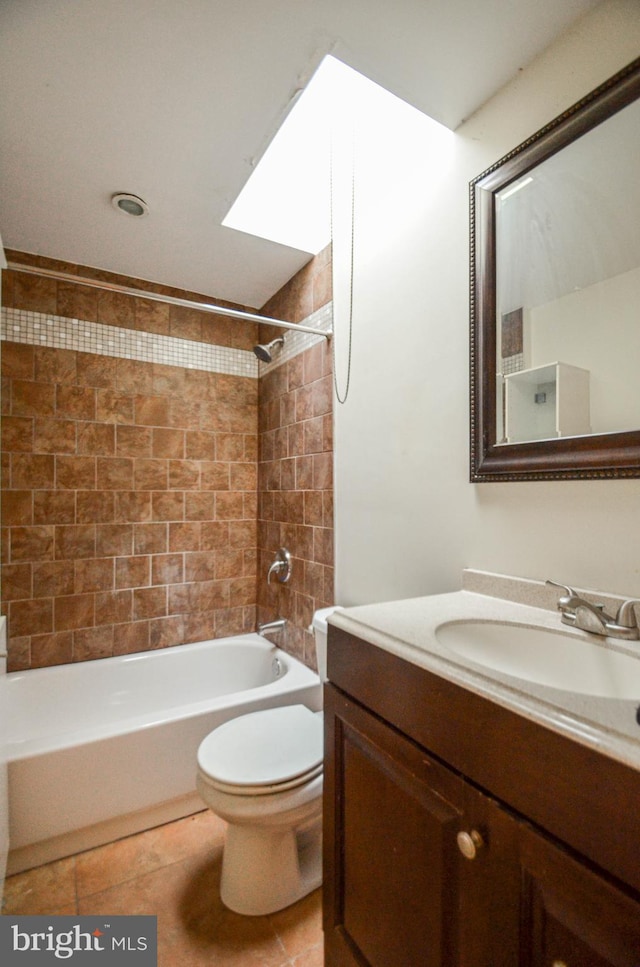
(152, 871)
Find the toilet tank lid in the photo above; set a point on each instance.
(319, 622)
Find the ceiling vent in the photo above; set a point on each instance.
(122, 201)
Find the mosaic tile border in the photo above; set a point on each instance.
(59, 332)
(512, 364)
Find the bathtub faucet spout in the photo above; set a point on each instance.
(268, 626)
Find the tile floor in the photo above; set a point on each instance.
(172, 872)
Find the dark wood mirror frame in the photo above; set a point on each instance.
(606, 455)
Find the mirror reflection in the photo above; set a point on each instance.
(567, 236)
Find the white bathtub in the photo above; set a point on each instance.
(102, 749)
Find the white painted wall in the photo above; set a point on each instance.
(407, 520)
(569, 330)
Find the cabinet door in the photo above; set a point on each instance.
(421, 869)
(391, 819)
(572, 917)
(489, 885)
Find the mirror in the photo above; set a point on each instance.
(555, 297)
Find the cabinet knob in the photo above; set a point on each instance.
(469, 843)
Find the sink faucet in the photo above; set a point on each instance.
(580, 613)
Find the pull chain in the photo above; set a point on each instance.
(343, 399)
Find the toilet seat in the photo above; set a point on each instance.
(268, 789)
(263, 752)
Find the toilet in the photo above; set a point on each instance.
(262, 774)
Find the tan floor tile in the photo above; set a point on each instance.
(314, 957)
(173, 872)
(49, 889)
(299, 926)
(194, 929)
(104, 867)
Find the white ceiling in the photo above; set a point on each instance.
(174, 100)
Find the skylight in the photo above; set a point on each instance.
(287, 197)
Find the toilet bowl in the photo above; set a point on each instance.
(262, 774)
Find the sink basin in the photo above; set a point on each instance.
(544, 657)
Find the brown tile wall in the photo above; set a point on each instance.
(295, 475)
(42, 294)
(129, 489)
(129, 499)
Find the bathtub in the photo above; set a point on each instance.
(101, 749)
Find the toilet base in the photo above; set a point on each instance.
(266, 869)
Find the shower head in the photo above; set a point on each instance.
(265, 352)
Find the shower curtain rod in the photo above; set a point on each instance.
(172, 300)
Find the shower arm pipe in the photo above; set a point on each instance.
(172, 300)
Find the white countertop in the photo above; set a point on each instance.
(407, 629)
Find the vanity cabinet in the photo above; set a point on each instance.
(424, 865)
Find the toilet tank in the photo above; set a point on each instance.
(320, 630)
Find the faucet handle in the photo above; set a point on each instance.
(626, 616)
(281, 566)
(570, 592)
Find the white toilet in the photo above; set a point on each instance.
(262, 773)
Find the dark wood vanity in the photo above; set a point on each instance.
(459, 833)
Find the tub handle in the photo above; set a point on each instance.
(281, 567)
